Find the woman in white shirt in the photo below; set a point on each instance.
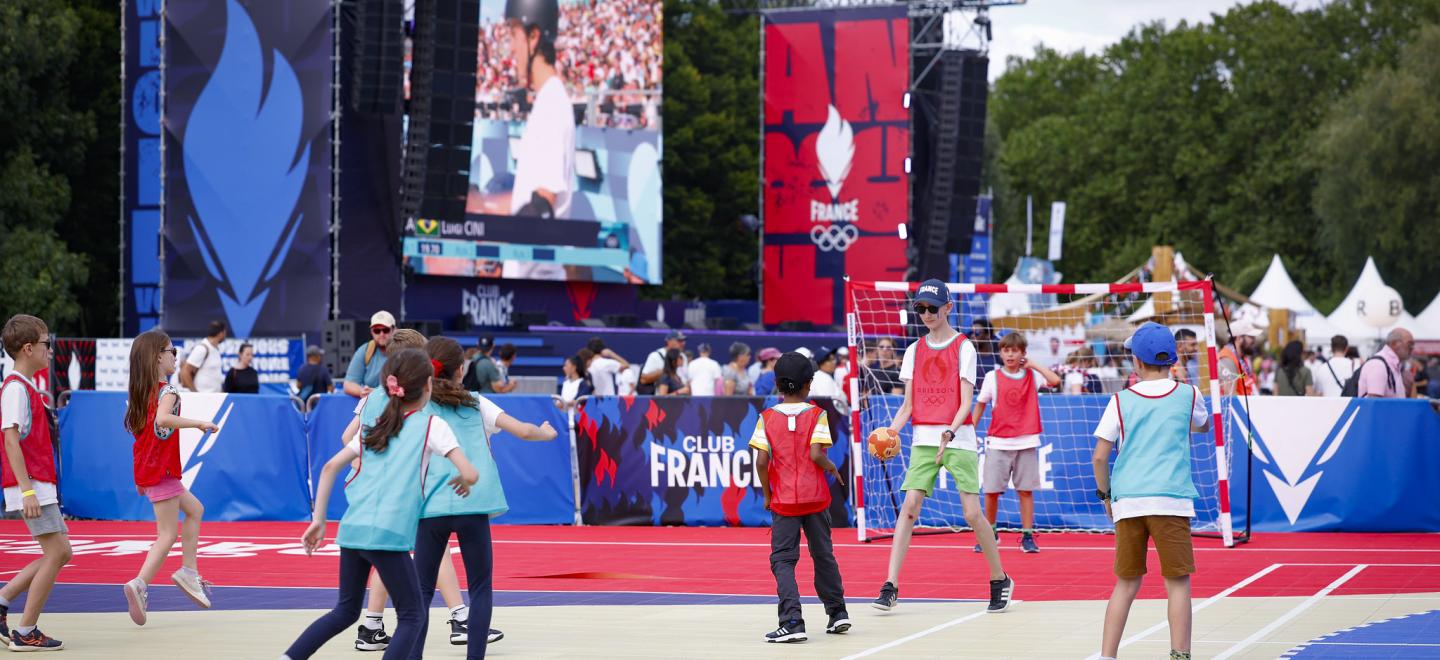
(576, 384)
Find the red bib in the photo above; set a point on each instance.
(1017, 407)
(35, 446)
(935, 384)
(156, 457)
(797, 484)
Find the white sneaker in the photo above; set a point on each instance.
(193, 586)
(138, 598)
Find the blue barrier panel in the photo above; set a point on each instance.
(1338, 465)
(682, 461)
(535, 475)
(253, 468)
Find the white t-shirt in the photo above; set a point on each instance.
(570, 389)
(929, 435)
(545, 157)
(489, 412)
(1109, 429)
(704, 374)
(1325, 383)
(988, 394)
(205, 357)
(821, 434)
(655, 363)
(440, 439)
(625, 382)
(604, 375)
(824, 386)
(15, 413)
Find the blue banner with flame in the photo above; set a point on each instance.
(247, 165)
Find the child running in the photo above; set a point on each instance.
(790, 441)
(1012, 448)
(385, 494)
(152, 415)
(28, 464)
(474, 420)
(939, 375)
(1150, 493)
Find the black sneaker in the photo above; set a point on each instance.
(1000, 593)
(839, 624)
(788, 633)
(35, 641)
(1027, 544)
(494, 636)
(367, 639)
(459, 632)
(5, 622)
(888, 595)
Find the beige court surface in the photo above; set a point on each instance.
(1241, 627)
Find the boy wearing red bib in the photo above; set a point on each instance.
(939, 375)
(1012, 448)
(28, 466)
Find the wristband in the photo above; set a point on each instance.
(28, 493)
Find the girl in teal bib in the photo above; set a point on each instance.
(386, 494)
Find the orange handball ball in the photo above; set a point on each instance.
(884, 443)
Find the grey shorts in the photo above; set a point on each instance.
(49, 522)
(1003, 465)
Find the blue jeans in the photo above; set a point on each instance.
(432, 546)
(397, 571)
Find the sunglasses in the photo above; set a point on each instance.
(926, 309)
(172, 350)
(381, 330)
(46, 343)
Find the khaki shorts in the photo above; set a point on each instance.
(1003, 465)
(962, 464)
(1172, 543)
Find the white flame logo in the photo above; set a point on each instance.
(835, 148)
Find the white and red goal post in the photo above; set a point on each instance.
(1078, 327)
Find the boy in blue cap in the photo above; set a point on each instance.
(1150, 493)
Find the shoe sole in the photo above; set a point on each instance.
(1007, 603)
(492, 640)
(364, 646)
(1031, 552)
(198, 600)
(787, 639)
(137, 613)
(839, 628)
(32, 649)
(459, 641)
(883, 607)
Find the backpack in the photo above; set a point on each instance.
(1352, 386)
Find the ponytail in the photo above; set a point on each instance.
(447, 358)
(404, 376)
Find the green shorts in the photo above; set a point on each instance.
(962, 464)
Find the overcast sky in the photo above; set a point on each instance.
(1068, 25)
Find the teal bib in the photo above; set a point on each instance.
(1154, 445)
(387, 492)
(486, 496)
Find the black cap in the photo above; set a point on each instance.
(793, 370)
(485, 343)
(823, 353)
(544, 14)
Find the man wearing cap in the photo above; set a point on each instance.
(484, 375)
(1235, 372)
(363, 374)
(655, 363)
(313, 378)
(824, 385)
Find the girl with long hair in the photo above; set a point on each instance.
(670, 382)
(385, 495)
(1294, 378)
(152, 415)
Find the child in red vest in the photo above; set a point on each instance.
(790, 441)
(152, 415)
(1012, 447)
(29, 480)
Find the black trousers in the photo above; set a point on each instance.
(432, 546)
(397, 571)
(785, 552)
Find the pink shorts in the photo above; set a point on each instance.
(168, 488)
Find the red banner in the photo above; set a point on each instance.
(836, 137)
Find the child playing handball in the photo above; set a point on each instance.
(152, 415)
(790, 441)
(1150, 493)
(1012, 448)
(939, 375)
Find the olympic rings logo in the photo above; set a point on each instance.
(834, 237)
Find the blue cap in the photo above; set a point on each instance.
(1153, 344)
(932, 292)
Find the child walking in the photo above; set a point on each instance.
(1012, 449)
(385, 493)
(1150, 493)
(152, 415)
(474, 419)
(28, 466)
(790, 441)
(939, 375)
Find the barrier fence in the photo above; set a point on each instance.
(1319, 464)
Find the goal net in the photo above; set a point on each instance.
(1077, 330)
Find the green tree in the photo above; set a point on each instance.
(1378, 157)
(712, 166)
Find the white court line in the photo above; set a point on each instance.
(918, 635)
(1204, 604)
(1294, 612)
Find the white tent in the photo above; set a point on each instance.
(1277, 291)
(1429, 320)
(1346, 318)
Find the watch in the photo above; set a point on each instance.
(1103, 496)
(948, 435)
